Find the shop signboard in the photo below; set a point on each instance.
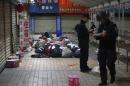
(44, 8)
(24, 33)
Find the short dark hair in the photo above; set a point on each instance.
(102, 15)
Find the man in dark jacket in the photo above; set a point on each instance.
(83, 38)
(107, 34)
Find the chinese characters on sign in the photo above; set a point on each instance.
(24, 33)
(47, 7)
(44, 8)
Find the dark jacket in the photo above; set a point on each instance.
(109, 41)
(82, 33)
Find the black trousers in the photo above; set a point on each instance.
(84, 57)
(106, 59)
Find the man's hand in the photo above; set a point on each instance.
(102, 34)
(96, 34)
(91, 30)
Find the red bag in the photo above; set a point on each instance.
(73, 80)
(12, 63)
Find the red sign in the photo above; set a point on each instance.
(25, 33)
(66, 6)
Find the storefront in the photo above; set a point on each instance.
(7, 30)
(43, 17)
(60, 17)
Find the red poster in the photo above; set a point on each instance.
(25, 33)
(26, 24)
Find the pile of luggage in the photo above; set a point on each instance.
(47, 46)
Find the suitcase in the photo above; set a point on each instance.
(12, 63)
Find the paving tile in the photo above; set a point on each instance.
(55, 72)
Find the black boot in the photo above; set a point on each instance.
(102, 83)
(112, 79)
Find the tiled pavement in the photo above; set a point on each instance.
(55, 71)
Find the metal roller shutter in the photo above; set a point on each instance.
(7, 28)
(14, 37)
(2, 42)
(69, 22)
(45, 24)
